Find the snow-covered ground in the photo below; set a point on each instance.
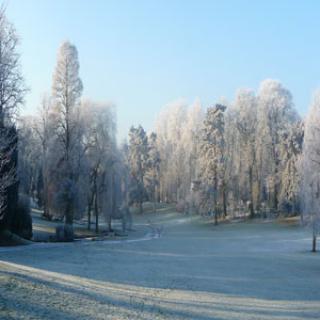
(193, 271)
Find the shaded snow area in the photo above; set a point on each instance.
(192, 271)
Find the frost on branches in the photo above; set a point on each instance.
(310, 192)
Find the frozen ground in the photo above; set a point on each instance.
(193, 271)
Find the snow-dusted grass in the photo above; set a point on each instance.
(193, 271)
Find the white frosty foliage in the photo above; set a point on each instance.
(311, 166)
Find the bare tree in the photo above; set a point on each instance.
(12, 91)
(12, 88)
(99, 146)
(43, 129)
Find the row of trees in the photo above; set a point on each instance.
(244, 157)
(244, 153)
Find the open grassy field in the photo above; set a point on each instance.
(251, 270)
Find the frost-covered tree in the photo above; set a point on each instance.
(290, 154)
(178, 129)
(99, 135)
(275, 115)
(245, 107)
(44, 130)
(213, 161)
(12, 88)
(29, 156)
(153, 171)
(138, 161)
(12, 91)
(191, 141)
(310, 191)
(66, 93)
(170, 131)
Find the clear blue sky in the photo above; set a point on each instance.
(143, 54)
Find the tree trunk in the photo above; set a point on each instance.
(314, 243)
(68, 215)
(89, 214)
(224, 200)
(96, 212)
(154, 206)
(109, 223)
(251, 208)
(46, 212)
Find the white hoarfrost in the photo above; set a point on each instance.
(239, 271)
(311, 169)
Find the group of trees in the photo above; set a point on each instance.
(65, 156)
(244, 154)
(68, 151)
(244, 157)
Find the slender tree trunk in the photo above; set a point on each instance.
(68, 214)
(154, 205)
(314, 243)
(96, 211)
(215, 199)
(89, 214)
(109, 223)
(46, 213)
(224, 200)
(215, 216)
(251, 192)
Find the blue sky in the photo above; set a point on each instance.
(141, 55)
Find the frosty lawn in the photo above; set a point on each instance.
(193, 271)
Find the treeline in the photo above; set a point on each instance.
(233, 158)
(253, 157)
